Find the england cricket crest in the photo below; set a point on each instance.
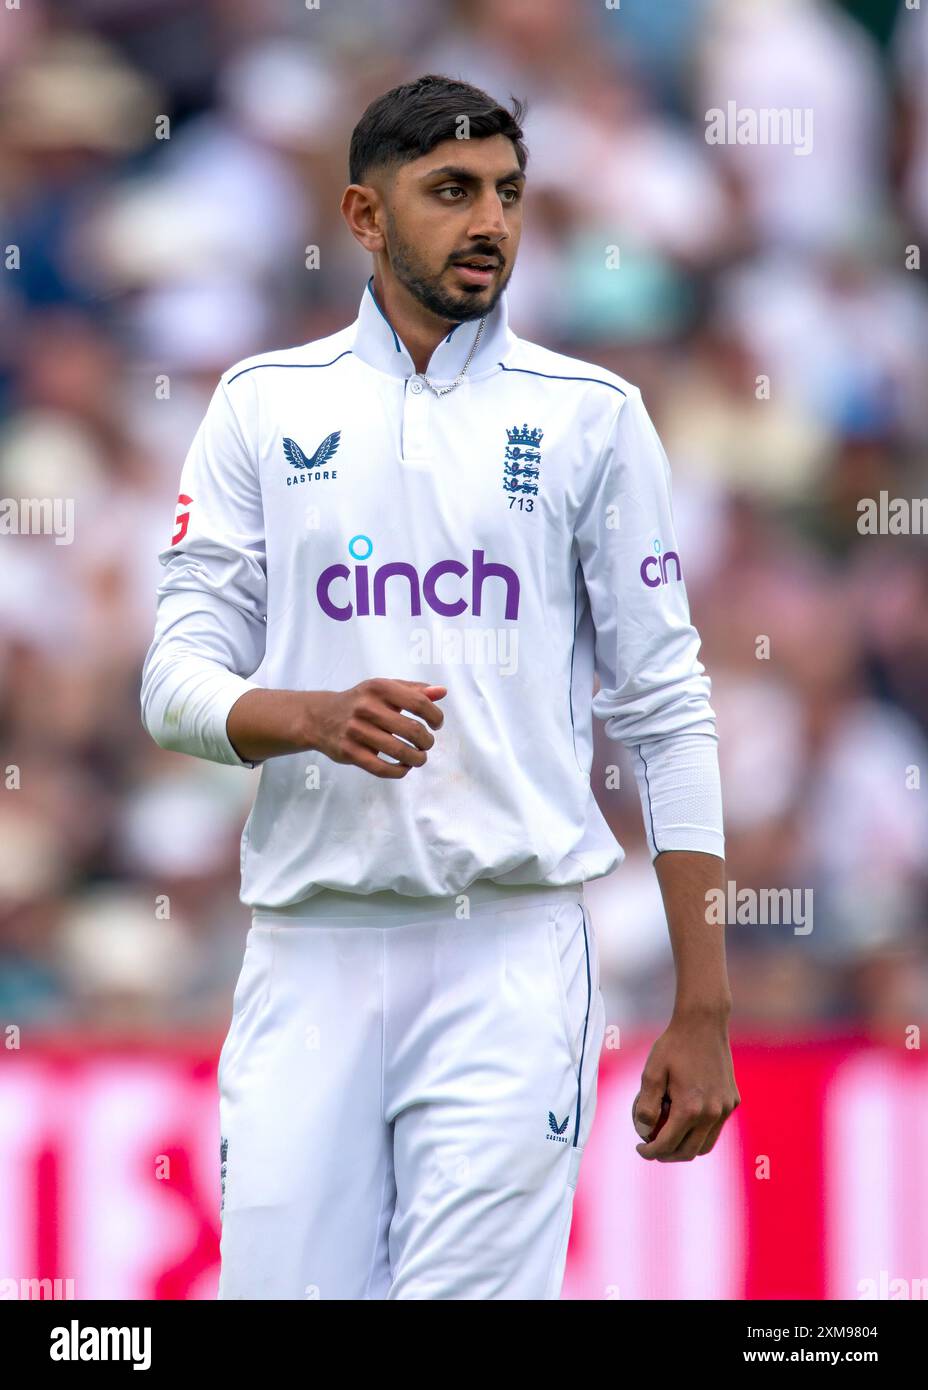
(522, 460)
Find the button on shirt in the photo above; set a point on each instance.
(339, 521)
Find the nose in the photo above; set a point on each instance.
(489, 223)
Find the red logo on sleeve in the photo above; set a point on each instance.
(182, 519)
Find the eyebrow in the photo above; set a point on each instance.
(468, 176)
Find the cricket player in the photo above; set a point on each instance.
(428, 534)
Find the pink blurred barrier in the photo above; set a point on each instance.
(109, 1178)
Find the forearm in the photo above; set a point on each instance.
(271, 723)
(685, 878)
(379, 716)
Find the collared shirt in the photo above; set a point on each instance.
(339, 521)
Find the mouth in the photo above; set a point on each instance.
(477, 270)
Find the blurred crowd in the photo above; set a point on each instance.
(164, 166)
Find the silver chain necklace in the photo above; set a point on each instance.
(443, 390)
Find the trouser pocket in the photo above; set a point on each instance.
(575, 972)
(252, 991)
(575, 975)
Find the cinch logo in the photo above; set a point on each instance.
(656, 565)
(354, 585)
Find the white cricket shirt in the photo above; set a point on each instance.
(339, 521)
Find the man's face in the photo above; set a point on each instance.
(461, 202)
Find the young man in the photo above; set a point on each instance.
(423, 528)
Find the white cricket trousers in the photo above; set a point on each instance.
(406, 1091)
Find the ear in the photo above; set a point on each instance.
(361, 207)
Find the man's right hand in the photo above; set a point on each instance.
(354, 726)
(349, 726)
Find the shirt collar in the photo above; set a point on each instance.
(377, 343)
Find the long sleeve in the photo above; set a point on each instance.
(211, 620)
(654, 694)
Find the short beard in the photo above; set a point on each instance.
(410, 272)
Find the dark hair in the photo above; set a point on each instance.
(408, 121)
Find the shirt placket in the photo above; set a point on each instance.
(417, 400)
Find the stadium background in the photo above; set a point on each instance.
(147, 266)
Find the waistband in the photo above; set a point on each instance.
(380, 909)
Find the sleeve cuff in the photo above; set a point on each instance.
(690, 837)
(229, 694)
